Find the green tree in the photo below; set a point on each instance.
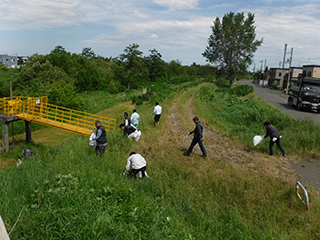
(88, 53)
(155, 65)
(232, 44)
(132, 58)
(38, 77)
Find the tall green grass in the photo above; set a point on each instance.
(66, 192)
(242, 117)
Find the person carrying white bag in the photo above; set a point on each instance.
(274, 138)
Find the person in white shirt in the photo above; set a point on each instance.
(135, 118)
(138, 164)
(127, 120)
(157, 113)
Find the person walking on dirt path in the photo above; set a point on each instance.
(197, 138)
(157, 113)
(274, 138)
(101, 138)
(135, 118)
(127, 120)
(138, 164)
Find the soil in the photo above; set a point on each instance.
(222, 148)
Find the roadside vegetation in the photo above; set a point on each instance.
(69, 193)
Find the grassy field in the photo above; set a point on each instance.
(66, 192)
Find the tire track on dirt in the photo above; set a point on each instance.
(222, 148)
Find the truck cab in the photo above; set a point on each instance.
(305, 94)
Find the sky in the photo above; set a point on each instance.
(177, 29)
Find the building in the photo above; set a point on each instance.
(311, 71)
(276, 77)
(295, 72)
(22, 59)
(9, 61)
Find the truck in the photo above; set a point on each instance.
(305, 94)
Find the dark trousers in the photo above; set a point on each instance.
(157, 118)
(134, 172)
(193, 143)
(278, 144)
(100, 150)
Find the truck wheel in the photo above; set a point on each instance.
(299, 106)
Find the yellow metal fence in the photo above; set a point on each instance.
(39, 111)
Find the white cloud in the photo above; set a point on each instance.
(33, 14)
(177, 4)
(180, 27)
(159, 33)
(295, 26)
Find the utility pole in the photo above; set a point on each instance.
(265, 75)
(289, 70)
(261, 73)
(284, 55)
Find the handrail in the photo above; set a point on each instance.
(38, 110)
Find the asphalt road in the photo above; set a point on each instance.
(307, 170)
(279, 100)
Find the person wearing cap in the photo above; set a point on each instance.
(135, 118)
(274, 138)
(101, 138)
(127, 120)
(157, 113)
(138, 165)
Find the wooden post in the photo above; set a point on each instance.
(28, 131)
(5, 136)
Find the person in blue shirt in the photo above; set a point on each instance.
(135, 118)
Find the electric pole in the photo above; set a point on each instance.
(284, 55)
(289, 70)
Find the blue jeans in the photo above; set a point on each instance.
(193, 143)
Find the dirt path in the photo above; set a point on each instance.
(222, 148)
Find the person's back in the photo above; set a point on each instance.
(128, 129)
(135, 118)
(138, 164)
(157, 113)
(157, 110)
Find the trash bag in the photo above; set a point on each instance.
(92, 143)
(257, 139)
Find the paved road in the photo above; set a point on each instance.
(307, 170)
(279, 100)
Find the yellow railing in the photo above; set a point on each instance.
(39, 111)
(12, 106)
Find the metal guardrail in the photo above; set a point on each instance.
(39, 111)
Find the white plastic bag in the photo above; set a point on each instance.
(257, 139)
(92, 143)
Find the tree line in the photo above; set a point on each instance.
(60, 75)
